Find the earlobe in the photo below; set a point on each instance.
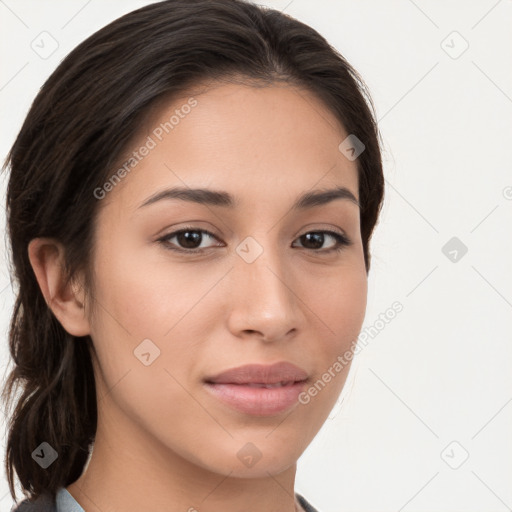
(66, 301)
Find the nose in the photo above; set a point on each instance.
(263, 303)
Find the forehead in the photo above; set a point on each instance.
(261, 143)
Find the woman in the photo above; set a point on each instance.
(190, 204)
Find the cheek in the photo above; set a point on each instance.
(143, 308)
(340, 304)
(145, 297)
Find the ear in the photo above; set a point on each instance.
(66, 301)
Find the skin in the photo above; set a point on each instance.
(161, 438)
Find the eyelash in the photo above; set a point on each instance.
(342, 241)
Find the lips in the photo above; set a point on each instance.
(259, 375)
(259, 390)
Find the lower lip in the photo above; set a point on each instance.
(257, 401)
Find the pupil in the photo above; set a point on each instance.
(189, 241)
(318, 239)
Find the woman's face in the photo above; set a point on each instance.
(166, 320)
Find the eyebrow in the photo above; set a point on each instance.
(221, 198)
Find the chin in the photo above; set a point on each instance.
(246, 459)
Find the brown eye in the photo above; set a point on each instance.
(187, 240)
(314, 240)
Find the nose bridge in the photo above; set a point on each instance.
(262, 262)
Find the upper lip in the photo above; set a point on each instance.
(260, 374)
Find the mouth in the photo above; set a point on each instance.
(259, 390)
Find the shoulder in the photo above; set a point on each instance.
(44, 503)
(305, 504)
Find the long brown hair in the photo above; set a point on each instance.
(77, 128)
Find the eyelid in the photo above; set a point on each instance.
(330, 229)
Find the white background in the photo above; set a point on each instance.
(441, 370)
